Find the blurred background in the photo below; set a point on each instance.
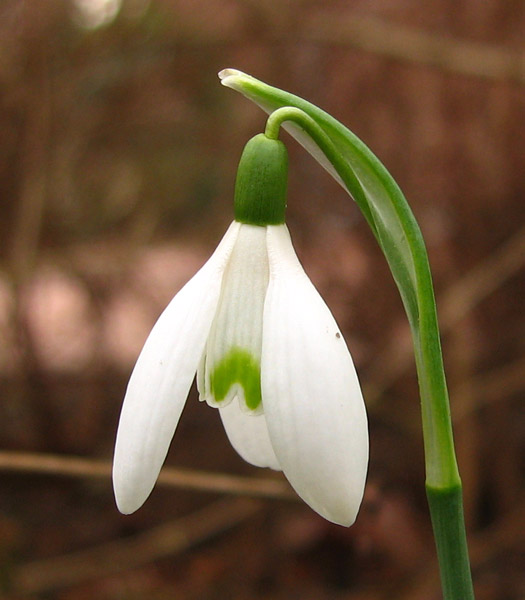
(118, 156)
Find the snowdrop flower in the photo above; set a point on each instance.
(267, 352)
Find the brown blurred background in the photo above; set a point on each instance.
(117, 162)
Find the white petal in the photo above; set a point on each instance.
(161, 379)
(312, 399)
(232, 363)
(248, 434)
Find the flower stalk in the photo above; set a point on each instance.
(391, 220)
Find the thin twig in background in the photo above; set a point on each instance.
(414, 45)
(165, 540)
(85, 468)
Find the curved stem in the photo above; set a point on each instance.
(443, 484)
(327, 147)
(397, 232)
(439, 446)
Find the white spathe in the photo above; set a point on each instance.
(252, 294)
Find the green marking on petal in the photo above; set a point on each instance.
(238, 366)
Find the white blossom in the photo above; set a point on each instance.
(269, 355)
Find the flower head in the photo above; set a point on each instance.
(268, 354)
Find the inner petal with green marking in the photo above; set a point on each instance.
(241, 368)
(230, 368)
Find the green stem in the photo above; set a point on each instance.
(325, 144)
(397, 232)
(446, 511)
(443, 483)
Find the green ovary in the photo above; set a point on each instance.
(238, 366)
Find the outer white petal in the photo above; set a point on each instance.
(248, 434)
(161, 379)
(311, 396)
